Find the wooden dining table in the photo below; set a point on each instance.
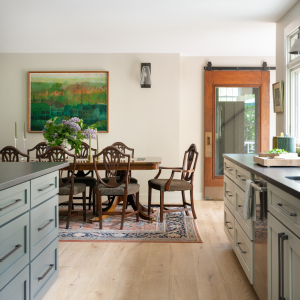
(139, 163)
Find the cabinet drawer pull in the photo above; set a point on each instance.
(242, 177)
(10, 205)
(10, 253)
(47, 187)
(280, 206)
(45, 274)
(41, 228)
(228, 226)
(229, 169)
(229, 194)
(238, 244)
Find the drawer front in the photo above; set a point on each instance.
(229, 225)
(18, 288)
(14, 201)
(229, 169)
(14, 248)
(241, 176)
(285, 208)
(44, 271)
(43, 226)
(229, 194)
(43, 188)
(244, 250)
(247, 225)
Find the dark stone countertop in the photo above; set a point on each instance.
(273, 175)
(13, 173)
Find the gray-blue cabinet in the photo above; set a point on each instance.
(29, 238)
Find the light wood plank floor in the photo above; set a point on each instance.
(207, 271)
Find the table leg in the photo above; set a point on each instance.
(131, 200)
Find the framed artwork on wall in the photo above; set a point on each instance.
(278, 96)
(82, 94)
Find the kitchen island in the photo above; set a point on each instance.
(28, 228)
(279, 245)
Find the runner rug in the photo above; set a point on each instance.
(176, 228)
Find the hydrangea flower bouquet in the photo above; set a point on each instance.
(67, 131)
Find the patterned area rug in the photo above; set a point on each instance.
(176, 228)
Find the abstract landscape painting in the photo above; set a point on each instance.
(65, 95)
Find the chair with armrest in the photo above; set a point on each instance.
(66, 187)
(11, 154)
(40, 149)
(113, 186)
(187, 172)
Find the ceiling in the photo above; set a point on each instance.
(190, 27)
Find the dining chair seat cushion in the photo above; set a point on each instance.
(176, 185)
(78, 188)
(133, 188)
(88, 181)
(132, 180)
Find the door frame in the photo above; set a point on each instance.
(213, 79)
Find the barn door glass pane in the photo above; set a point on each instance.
(236, 122)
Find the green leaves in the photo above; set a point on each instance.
(277, 151)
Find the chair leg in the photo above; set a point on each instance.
(91, 191)
(137, 205)
(192, 204)
(94, 201)
(84, 205)
(149, 199)
(123, 210)
(99, 208)
(183, 201)
(161, 206)
(69, 210)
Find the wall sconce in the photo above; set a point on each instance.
(146, 75)
(296, 46)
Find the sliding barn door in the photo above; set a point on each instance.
(237, 120)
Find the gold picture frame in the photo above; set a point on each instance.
(278, 96)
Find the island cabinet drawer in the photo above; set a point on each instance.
(14, 248)
(229, 194)
(229, 169)
(247, 225)
(229, 225)
(14, 201)
(44, 271)
(18, 288)
(43, 226)
(241, 177)
(43, 188)
(244, 250)
(285, 208)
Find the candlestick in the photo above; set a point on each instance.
(24, 130)
(90, 152)
(16, 134)
(16, 138)
(24, 139)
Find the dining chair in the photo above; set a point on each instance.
(112, 158)
(40, 148)
(187, 172)
(66, 187)
(11, 154)
(85, 177)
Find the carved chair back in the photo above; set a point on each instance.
(122, 147)
(189, 162)
(11, 154)
(112, 158)
(59, 154)
(40, 149)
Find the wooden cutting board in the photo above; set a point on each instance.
(277, 162)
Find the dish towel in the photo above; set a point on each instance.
(247, 201)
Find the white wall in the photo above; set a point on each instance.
(284, 27)
(192, 101)
(145, 119)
